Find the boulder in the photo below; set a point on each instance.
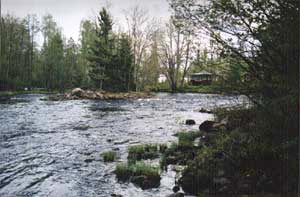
(207, 126)
(89, 159)
(78, 92)
(145, 182)
(176, 189)
(202, 110)
(90, 95)
(190, 122)
(99, 95)
(116, 195)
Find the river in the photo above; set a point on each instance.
(53, 148)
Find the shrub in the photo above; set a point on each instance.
(139, 152)
(186, 139)
(109, 156)
(143, 175)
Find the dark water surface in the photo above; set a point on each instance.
(53, 148)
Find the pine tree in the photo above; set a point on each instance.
(101, 53)
(125, 68)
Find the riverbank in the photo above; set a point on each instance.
(22, 92)
(78, 93)
(204, 89)
(235, 155)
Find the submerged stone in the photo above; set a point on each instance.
(190, 122)
(207, 126)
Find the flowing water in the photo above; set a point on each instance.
(53, 148)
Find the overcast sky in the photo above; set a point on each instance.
(69, 13)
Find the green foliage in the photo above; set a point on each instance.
(139, 170)
(53, 55)
(150, 71)
(250, 152)
(186, 139)
(15, 59)
(124, 171)
(109, 156)
(206, 89)
(111, 58)
(101, 53)
(139, 152)
(180, 153)
(122, 73)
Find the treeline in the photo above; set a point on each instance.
(105, 56)
(23, 64)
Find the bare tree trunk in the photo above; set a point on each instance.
(186, 67)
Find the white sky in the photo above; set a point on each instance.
(69, 13)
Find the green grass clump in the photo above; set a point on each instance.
(140, 168)
(109, 156)
(144, 175)
(187, 138)
(139, 152)
(124, 171)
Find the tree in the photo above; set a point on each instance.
(176, 53)
(53, 57)
(102, 52)
(150, 70)
(125, 69)
(261, 39)
(15, 47)
(33, 28)
(87, 38)
(74, 73)
(253, 24)
(140, 33)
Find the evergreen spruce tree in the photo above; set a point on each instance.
(124, 69)
(101, 54)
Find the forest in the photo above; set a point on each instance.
(251, 48)
(36, 54)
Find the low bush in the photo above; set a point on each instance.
(140, 152)
(186, 139)
(109, 156)
(143, 175)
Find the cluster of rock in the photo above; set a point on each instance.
(209, 125)
(79, 93)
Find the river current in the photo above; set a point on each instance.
(53, 149)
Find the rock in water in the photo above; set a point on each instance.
(202, 110)
(145, 182)
(116, 195)
(190, 122)
(207, 126)
(176, 188)
(78, 92)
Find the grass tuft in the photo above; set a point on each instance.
(109, 156)
(139, 152)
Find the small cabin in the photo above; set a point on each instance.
(201, 78)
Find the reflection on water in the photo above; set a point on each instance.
(53, 148)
